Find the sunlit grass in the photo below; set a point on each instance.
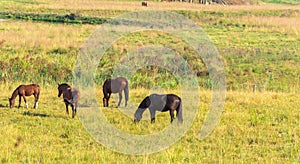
(254, 127)
(135, 5)
(20, 35)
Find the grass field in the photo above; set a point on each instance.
(254, 127)
(259, 45)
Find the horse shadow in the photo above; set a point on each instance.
(3, 106)
(28, 113)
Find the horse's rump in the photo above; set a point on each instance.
(115, 85)
(75, 95)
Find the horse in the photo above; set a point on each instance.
(163, 103)
(23, 91)
(71, 97)
(145, 3)
(116, 85)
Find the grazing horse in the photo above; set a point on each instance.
(116, 85)
(71, 97)
(23, 91)
(163, 103)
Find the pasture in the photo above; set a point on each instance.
(259, 45)
(256, 127)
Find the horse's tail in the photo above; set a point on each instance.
(179, 111)
(126, 91)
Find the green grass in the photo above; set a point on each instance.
(249, 130)
(287, 2)
(257, 127)
(258, 45)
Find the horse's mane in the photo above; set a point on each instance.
(15, 92)
(64, 84)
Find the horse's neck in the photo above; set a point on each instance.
(67, 94)
(140, 111)
(15, 93)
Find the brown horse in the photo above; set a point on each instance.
(116, 85)
(23, 91)
(145, 3)
(163, 103)
(71, 97)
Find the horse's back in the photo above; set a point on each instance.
(158, 101)
(173, 97)
(28, 90)
(121, 79)
(115, 85)
(32, 87)
(164, 102)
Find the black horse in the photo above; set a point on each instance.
(71, 97)
(163, 103)
(116, 85)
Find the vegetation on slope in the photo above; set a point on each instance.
(258, 46)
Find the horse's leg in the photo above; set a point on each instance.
(36, 96)
(25, 100)
(67, 110)
(108, 97)
(120, 98)
(152, 115)
(126, 93)
(19, 101)
(73, 111)
(35, 101)
(172, 115)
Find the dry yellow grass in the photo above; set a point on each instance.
(290, 25)
(119, 5)
(20, 34)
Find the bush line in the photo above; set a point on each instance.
(54, 18)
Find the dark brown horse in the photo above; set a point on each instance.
(163, 103)
(71, 97)
(145, 3)
(23, 91)
(116, 85)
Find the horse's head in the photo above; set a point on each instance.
(62, 88)
(11, 102)
(105, 102)
(59, 88)
(137, 117)
(136, 120)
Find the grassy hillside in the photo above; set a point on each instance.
(258, 44)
